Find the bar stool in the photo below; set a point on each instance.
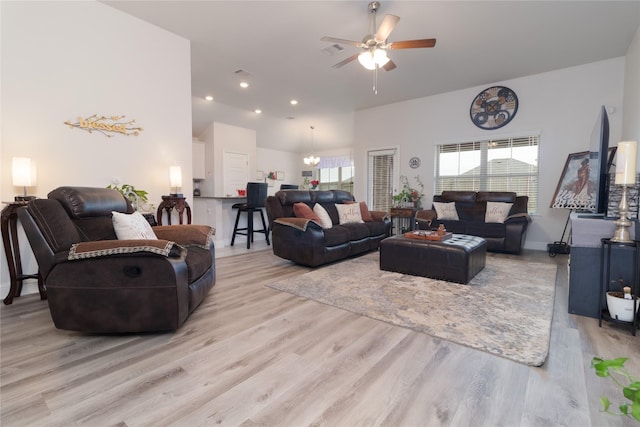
(256, 196)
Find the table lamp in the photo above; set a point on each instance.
(23, 171)
(175, 179)
(625, 176)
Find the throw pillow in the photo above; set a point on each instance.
(323, 215)
(302, 210)
(497, 211)
(446, 211)
(349, 213)
(133, 226)
(364, 210)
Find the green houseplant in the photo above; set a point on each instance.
(138, 198)
(409, 196)
(630, 385)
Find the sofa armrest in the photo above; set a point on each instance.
(379, 216)
(426, 215)
(295, 222)
(103, 248)
(519, 216)
(188, 234)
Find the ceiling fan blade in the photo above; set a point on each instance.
(389, 66)
(386, 26)
(411, 44)
(342, 41)
(345, 61)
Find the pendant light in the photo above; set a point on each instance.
(311, 160)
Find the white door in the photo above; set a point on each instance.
(235, 172)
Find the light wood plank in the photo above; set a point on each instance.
(250, 355)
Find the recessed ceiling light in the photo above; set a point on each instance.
(293, 102)
(209, 98)
(244, 85)
(258, 111)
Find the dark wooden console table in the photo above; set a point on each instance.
(169, 203)
(403, 219)
(9, 227)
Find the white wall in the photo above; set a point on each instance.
(631, 120)
(562, 105)
(276, 160)
(62, 60)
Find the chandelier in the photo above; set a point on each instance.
(311, 160)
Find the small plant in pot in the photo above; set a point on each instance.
(621, 304)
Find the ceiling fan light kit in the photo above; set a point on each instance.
(375, 45)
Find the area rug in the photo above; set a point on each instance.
(505, 310)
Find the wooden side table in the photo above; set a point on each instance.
(170, 202)
(403, 219)
(9, 228)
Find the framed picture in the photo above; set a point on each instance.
(577, 188)
(280, 175)
(259, 175)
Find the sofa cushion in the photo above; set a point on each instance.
(497, 211)
(486, 230)
(376, 228)
(456, 196)
(364, 210)
(356, 231)
(132, 226)
(496, 196)
(302, 210)
(446, 211)
(349, 213)
(323, 217)
(335, 236)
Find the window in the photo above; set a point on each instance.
(336, 173)
(381, 179)
(506, 164)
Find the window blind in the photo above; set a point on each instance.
(505, 164)
(381, 165)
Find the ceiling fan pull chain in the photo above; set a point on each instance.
(375, 80)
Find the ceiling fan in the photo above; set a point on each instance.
(375, 46)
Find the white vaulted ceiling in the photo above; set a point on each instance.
(278, 44)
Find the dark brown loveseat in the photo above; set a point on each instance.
(99, 284)
(471, 207)
(306, 242)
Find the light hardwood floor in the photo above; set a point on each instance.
(250, 355)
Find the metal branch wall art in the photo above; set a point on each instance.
(106, 125)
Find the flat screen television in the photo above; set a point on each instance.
(600, 162)
(583, 185)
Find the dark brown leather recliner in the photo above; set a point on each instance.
(99, 284)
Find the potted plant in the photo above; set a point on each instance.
(408, 196)
(630, 386)
(138, 198)
(621, 304)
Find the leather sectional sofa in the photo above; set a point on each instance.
(305, 241)
(505, 234)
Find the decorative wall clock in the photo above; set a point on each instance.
(414, 162)
(494, 107)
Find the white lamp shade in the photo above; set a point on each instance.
(23, 171)
(626, 162)
(175, 176)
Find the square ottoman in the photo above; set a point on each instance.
(457, 259)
